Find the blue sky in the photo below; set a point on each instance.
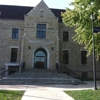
(61, 4)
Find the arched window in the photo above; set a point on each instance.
(40, 60)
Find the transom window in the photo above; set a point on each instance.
(41, 30)
(65, 36)
(65, 56)
(40, 56)
(15, 32)
(83, 57)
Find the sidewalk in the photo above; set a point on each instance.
(48, 92)
(45, 93)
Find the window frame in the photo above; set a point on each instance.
(41, 31)
(65, 36)
(67, 62)
(84, 75)
(84, 57)
(15, 33)
(12, 58)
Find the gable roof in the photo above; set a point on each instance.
(18, 12)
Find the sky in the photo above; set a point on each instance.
(60, 4)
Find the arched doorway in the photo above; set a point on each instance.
(40, 58)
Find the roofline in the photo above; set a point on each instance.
(27, 6)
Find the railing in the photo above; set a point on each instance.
(68, 71)
(2, 74)
(73, 74)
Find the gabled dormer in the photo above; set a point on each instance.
(41, 10)
(41, 20)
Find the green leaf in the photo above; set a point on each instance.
(79, 17)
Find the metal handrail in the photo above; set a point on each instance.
(75, 75)
(69, 72)
(2, 74)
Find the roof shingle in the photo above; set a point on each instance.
(18, 12)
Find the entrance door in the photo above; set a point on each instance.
(40, 58)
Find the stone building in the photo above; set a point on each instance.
(38, 37)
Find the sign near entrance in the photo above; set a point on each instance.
(96, 29)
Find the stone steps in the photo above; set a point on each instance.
(38, 77)
(40, 70)
(35, 81)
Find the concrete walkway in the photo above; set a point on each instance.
(45, 93)
(48, 92)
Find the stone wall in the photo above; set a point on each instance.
(31, 20)
(53, 43)
(75, 54)
(6, 41)
(54, 38)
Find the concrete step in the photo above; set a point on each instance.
(40, 70)
(41, 81)
(39, 77)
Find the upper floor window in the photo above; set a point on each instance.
(41, 30)
(65, 56)
(15, 32)
(65, 36)
(83, 57)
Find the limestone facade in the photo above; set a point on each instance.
(51, 47)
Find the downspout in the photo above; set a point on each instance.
(21, 59)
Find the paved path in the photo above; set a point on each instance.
(45, 93)
(48, 92)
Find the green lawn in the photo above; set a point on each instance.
(84, 94)
(11, 95)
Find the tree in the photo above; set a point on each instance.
(79, 17)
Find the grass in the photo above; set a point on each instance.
(84, 94)
(11, 95)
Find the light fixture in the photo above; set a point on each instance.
(52, 48)
(29, 47)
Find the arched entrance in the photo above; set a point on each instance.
(40, 58)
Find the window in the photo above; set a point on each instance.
(13, 54)
(65, 36)
(65, 56)
(84, 75)
(15, 32)
(41, 30)
(83, 57)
